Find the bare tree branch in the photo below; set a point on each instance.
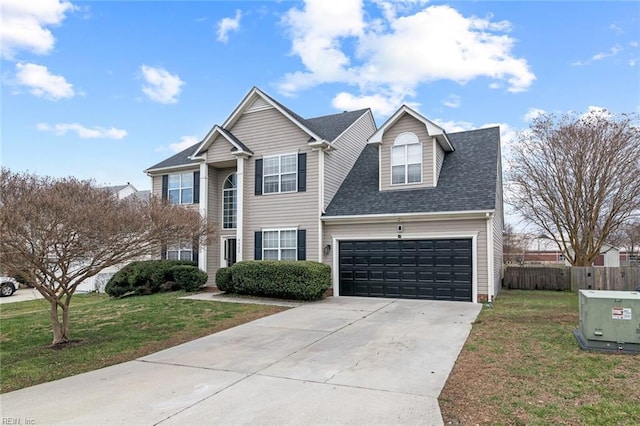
(577, 178)
(60, 232)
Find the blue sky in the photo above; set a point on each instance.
(105, 89)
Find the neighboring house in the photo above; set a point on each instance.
(98, 281)
(405, 211)
(122, 190)
(609, 256)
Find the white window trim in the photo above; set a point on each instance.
(406, 164)
(223, 204)
(179, 249)
(279, 247)
(181, 187)
(279, 174)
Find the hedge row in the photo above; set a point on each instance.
(154, 276)
(298, 280)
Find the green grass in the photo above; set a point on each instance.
(105, 332)
(522, 365)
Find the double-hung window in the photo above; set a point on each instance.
(406, 159)
(280, 173)
(183, 250)
(230, 203)
(279, 244)
(180, 188)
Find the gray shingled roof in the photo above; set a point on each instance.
(327, 127)
(181, 158)
(467, 181)
(331, 126)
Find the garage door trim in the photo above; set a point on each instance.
(440, 236)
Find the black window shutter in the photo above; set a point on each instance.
(302, 244)
(163, 252)
(257, 252)
(196, 187)
(165, 186)
(194, 250)
(302, 172)
(259, 177)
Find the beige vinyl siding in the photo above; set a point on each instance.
(156, 185)
(498, 228)
(268, 132)
(220, 150)
(406, 124)
(415, 230)
(348, 146)
(439, 159)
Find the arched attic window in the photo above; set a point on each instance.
(406, 159)
(229, 202)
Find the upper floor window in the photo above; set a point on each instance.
(280, 173)
(406, 159)
(180, 188)
(229, 202)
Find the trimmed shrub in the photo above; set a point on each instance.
(299, 280)
(152, 276)
(223, 280)
(189, 278)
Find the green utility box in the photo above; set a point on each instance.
(609, 320)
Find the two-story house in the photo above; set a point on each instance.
(405, 210)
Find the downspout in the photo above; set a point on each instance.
(490, 265)
(203, 208)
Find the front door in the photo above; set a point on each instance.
(229, 251)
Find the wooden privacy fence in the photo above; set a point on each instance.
(537, 278)
(625, 278)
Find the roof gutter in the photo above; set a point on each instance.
(393, 217)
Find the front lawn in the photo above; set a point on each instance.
(522, 366)
(108, 331)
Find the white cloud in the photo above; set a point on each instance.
(185, 142)
(161, 86)
(42, 83)
(226, 25)
(381, 104)
(533, 113)
(602, 55)
(452, 101)
(616, 28)
(81, 131)
(338, 43)
(23, 25)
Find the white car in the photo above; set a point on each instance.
(8, 286)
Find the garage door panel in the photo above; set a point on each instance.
(425, 269)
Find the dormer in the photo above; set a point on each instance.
(411, 150)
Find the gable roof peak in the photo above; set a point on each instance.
(432, 128)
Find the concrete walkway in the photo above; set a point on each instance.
(348, 361)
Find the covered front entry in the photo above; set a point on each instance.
(438, 269)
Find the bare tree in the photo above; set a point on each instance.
(59, 232)
(513, 245)
(577, 178)
(628, 236)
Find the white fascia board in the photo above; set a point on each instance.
(432, 128)
(151, 172)
(240, 109)
(208, 141)
(423, 216)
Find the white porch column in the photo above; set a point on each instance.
(203, 207)
(240, 160)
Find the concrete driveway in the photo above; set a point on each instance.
(338, 361)
(21, 295)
